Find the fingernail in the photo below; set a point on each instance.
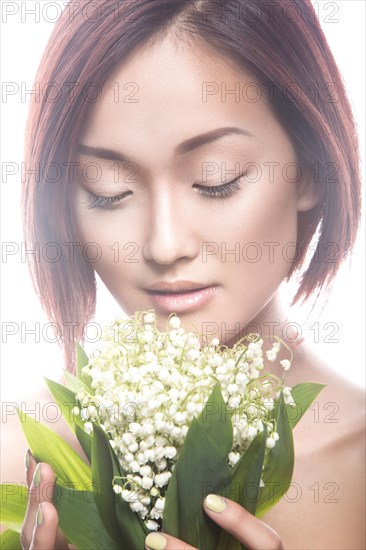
(37, 476)
(215, 503)
(39, 518)
(27, 459)
(155, 541)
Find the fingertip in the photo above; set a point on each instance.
(215, 503)
(39, 516)
(155, 541)
(45, 527)
(239, 522)
(37, 476)
(46, 515)
(30, 466)
(43, 474)
(47, 471)
(50, 509)
(162, 541)
(27, 459)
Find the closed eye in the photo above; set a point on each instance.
(220, 191)
(97, 201)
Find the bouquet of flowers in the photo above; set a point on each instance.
(164, 421)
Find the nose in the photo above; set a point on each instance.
(170, 235)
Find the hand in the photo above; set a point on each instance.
(234, 519)
(40, 529)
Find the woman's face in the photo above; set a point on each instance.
(171, 125)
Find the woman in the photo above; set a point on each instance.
(192, 151)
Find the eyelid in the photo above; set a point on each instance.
(97, 201)
(222, 191)
(200, 184)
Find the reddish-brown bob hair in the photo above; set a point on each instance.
(280, 43)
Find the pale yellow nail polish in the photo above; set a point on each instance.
(27, 459)
(37, 476)
(155, 541)
(39, 518)
(215, 503)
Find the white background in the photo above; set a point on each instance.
(25, 357)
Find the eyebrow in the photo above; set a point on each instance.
(181, 149)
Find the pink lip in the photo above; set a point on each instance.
(184, 301)
(176, 286)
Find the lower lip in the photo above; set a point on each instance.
(178, 303)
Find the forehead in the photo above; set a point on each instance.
(167, 92)
(168, 74)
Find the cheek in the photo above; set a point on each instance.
(116, 241)
(254, 256)
(257, 245)
(261, 221)
(120, 251)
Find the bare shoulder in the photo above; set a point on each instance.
(325, 505)
(42, 408)
(335, 425)
(339, 410)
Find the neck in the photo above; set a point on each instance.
(273, 322)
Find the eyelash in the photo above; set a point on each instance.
(221, 191)
(96, 201)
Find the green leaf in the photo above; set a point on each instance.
(202, 462)
(75, 384)
(10, 540)
(13, 505)
(84, 440)
(278, 463)
(303, 395)
(132, 528)
(171, 507)
(215, 414)
(79, 519)
(200, 469)
(102, 473)
(66, 400)
(82, 360)
(47, 446)
(245, 485)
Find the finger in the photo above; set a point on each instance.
(247, 529)
(45, 529)
(30, 466)
(161, 541)
(41, 490)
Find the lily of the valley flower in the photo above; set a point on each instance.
(149, 388)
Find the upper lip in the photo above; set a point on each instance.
(176, 286)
